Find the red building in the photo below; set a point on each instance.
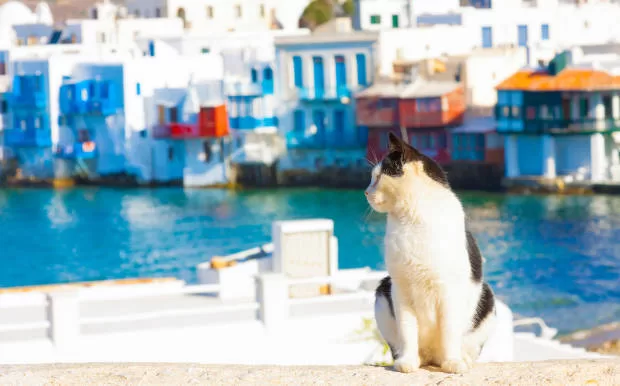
(425, 109)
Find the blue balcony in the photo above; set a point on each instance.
(310, 94)
(85, 150)
(97, 97)
(27, 138)
(251, 123)
(28, 92)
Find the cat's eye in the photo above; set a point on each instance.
(377, 178)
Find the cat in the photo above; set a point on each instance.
(434, 307)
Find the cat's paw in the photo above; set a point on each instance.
(407, 364)
(456, 366)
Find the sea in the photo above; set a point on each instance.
(557, 257)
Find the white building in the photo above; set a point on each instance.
(223, 15)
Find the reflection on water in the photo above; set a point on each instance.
(553, 256)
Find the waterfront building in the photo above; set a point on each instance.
(476, 141)
(316, 77)
(559, 120)
(423, 109)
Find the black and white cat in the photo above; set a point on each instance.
(433, 308)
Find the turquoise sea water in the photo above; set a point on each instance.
(551, 256)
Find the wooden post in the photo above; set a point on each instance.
(403, 134)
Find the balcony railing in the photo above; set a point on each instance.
(243, 89)
(329, 94)
(563, 126)
(250, 123)
(27, 138)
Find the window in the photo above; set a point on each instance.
(2, 68)
(146, 14)
(434, 105)
(544, 32)
(298, 73)
(300, 121)
(138, 91)
(143, 133)
(161, 115)
(37, 122)
(238, 13)
(3, 107)
(394, 21)
(170, 153)
(174, 115)
(254, 75)
(94, 13)
(383, 141)
(608, 106)
(584, 107)
(531, 112)
(157, 12)
(84, 95)
(204, 50)
(261, 10)
(375, 19)
(105, 90)
(362, 79)
(206, 149)
(210, 12)
(516, 111)
(136, 13)
(83, 136)
(487, 37)
(22, 124)
(506, 111)
(544, 112)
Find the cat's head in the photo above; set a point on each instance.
(403, 172)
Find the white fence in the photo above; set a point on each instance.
(272, 305)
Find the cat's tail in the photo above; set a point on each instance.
(384, 315)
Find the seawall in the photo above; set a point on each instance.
(578, 372)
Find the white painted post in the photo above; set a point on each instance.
(273, 301)
(598, 163)
(511, 156)
(63, 313)
(548, 156)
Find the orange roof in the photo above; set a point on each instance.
(566, 80)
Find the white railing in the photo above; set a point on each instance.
(272, 302)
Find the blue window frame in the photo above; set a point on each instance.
(319, 76)
(138, 89)
(362, 78)
(268, 81)
(487, 37)
(298, 71)
(254, 75)
(544, 32)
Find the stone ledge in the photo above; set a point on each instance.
(577, 372)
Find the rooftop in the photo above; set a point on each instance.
(420, 88)
(569, 79)
(328, 38)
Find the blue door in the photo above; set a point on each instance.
(319, 77)
(341, 76)
(318, 118)
(298, 72)
(268, 81)
(362, 79)
(299, 124)
(339, 128)
(487, 37)
(522, 38)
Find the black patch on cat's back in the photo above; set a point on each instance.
(385, 290)
(434, 171)
(486, 305)
(475, 257)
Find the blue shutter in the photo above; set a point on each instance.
(319, 77)
(362, 79)
(544, 32)
(268, 81)
(339, 127)
(522, 38)
(254, 75)
(487, 37)
(298, 71)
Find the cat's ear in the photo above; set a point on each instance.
(394, 142)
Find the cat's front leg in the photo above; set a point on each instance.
(452, 317)
(409, 358)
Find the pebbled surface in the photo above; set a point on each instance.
(578, 372)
